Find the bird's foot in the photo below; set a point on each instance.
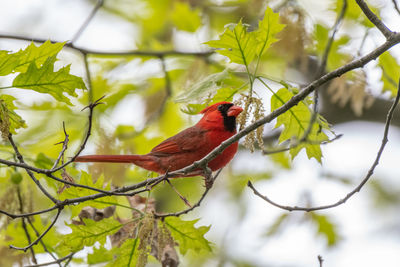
(208, 178)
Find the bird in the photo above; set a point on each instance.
(192, 144)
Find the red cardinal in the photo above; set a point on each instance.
(181, 150)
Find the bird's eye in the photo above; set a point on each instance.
(220, 107)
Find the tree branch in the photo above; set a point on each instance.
(374, 19)
(64, 148)
(396, 6)
(58, 261)
(139, 53)
(328, 47)
(30, 173)
(28, 236)
(356, 189)
(87, 21)
(177, 214)
(41, 241)
(41, 236)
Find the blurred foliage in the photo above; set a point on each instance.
(254, 45)
(296, 124)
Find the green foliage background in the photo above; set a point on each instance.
(254, 49)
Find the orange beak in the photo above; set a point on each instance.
(234, 111)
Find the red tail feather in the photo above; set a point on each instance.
(111, 158)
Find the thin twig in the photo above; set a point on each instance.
(21, 215)
(363, 42)
(64, 148)
(87, 21)
(139, 53)
(177, 214)
(91, 107)
(41, 236)
(356, 189)
(41, 241)
(374, 19)
(396, 6)
(294, 145)
(28, 236)
(168, 91)
(320, 260)
(321, 70)
(30, 173)
(88, 77)
(58, 261)
(184, 199)
(328, 47)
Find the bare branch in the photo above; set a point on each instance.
(328, 47)
(321, 70)
(41, 236)
(41, 241)
(58, 261)
(30, 173)
(320, 260)
(177, 214)
(396, 6)
(362, 183)
(139, 53)
(28, 236)
(64, 148)
(87, 21)
(14, 216)
(91, 107)
(294, 145)
(374, 19)
(168, 91)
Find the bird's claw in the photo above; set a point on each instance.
(208, 178)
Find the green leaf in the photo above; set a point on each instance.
(8, 62)
(237, 44)
(127, 254)
(295, 122)
(45, 80)
(184, 18)
(268, 28)
(43, 161)
(326, 228)
(89, 233)
(390, 73)
(9, 120)
(202, 88)
(100, 255)
(37, 54)
(281, 158)
(187, 235)
(19, 61)
(16, 235)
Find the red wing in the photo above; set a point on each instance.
(190, 139)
